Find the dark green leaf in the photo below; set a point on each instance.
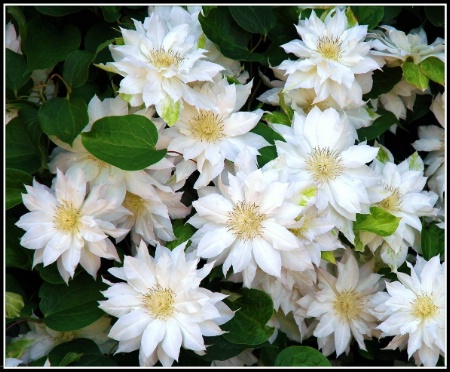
(16, 71)
(267, 154)
(384, 81)
(379, 222)
(59, 11)
(63, 118)
(378, 127)
(221, 349)
(90, 354)
(17, 13)
(390, 12)
(15, 254)
(50, 273)
(97, 38)
(368, 15)
(74, 306)
(420, 109)
(70, 357)
(127, 142)
(304, 356)
(249, 324)
(76, 67)
(220, 27)
(432, 241)
(434, 69)
(22, 152)
(436, 15)
(46, 45)
(111, 13)
(183, 231)
(254, 19)
(14, 184)
(276, 117)
(267, 133)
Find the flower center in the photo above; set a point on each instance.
(245, 221)
(424, 308)
(323, 164)
(393, 203)
(67, 218)
(134, 203)
(206, 126)
(162, 59)
(348, 304)
(329, 47)
(65, 337)
(159, 302)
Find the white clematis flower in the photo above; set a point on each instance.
(330, 54)
(342, 305)
(161, 306)
(414, 311)
(69, 226)
(320, 147)
(208, 138)
(159, 64)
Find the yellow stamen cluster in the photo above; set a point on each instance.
(159, 302)
(329, 47)
(393, 203)
(324, 165)
(163, 59)
(134, 203)
(348, 304)
(424, 308)
(207, 126)
(67, 218)
(245, 221)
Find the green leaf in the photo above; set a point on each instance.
(111, 13)
(90, 354)
(390, 12)
(436, 15)
(127, 142)
(304, 356)
(16, 71)
(248, 326)
(379, 222)
(96, 40)
(17, 13)
(267, 133)
(221, 349)
(434, 69)
(384, 81)
(414, 75)
(14, 185)
(13, 304)
(254, 19)
(378, 127)
(368, 15)
(76, 67)
(183, 231)
(420, 109)
(46, 45)
(220, 27)
(16, 348)
(74, 306)
(267, 154)
(59, 11)
(432, 240)
(15, 254)
(328, 256)
(22, 151)
(63, 118)
(50, 273)
(276, 117)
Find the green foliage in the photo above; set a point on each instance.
(304, 356)
(127, 142)
(378, 127)
(15, 182)
(15, 254)
(368, 15)
(432, 241)
(79, 352)
(379, 222)
(254, 19)
(383, 81)
(73, 306)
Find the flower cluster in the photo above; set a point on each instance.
(216, 209)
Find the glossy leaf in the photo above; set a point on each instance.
(16, 71)
(432, 241)
(378, 127)
(302, 356)
(183, 231)
(249, 325)
(127, 142)
(74, 306)
(267, 133)
(47, 45)
(16, 255)
(76, 67)
(254, 19)
(15, 180)
(59, 11)
(379, 222)
(384, 81)
(414, 75)
(368, 15)
(434, 69)
(87, 350)
(63, 118)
